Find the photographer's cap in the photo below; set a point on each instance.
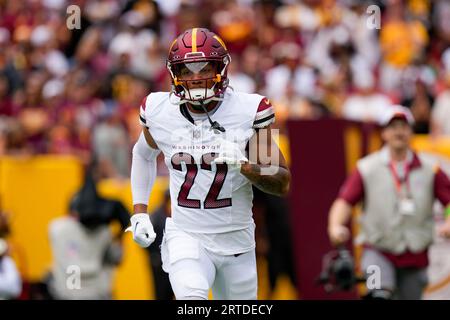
(397, 112)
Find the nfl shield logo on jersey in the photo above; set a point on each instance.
(196, 134)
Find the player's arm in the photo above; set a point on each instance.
(143, 170)
(339, 216)
(270, 173)
(143, 174)
(351, 192)
(442, 193)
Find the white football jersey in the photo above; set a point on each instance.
(206, 198)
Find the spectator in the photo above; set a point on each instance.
(84, 241)
(402, 42)
(420, 106)
(33, 116)
(239, 80)
(111, 146)
(10, 280)
(441, 109)
(366, 103)
(89, 53)
(290, 74)
(7, 107)
(234, 23)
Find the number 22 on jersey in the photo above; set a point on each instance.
(211, 201)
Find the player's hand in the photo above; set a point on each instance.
(338, 234)
(230, 153)
(142, 229)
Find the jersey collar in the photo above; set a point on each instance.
(185, 113)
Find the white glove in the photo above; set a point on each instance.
(142, 229)
(230, 153)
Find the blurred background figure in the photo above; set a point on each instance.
(83, 245)
(239, 80)
(10, 280)
(398, 188)
(441, 110)
(366, 103)
(403, 40)
(161, 282)
(111, 145)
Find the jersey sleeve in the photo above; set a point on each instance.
(352, 191)
(442, 187)
(142, 119)
(265, 114)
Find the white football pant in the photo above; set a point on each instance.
(193, 270)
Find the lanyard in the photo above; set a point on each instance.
(397, 180)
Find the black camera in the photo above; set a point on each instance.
(93, 210)
(338, 271)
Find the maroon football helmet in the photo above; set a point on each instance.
(194, 50)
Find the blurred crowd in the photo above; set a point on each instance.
(78, 91)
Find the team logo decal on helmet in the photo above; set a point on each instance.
(191, 52)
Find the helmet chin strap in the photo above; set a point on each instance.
(214, 124)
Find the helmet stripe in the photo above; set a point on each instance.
(194, 40)
(220, 41)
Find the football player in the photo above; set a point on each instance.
(216, 144)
